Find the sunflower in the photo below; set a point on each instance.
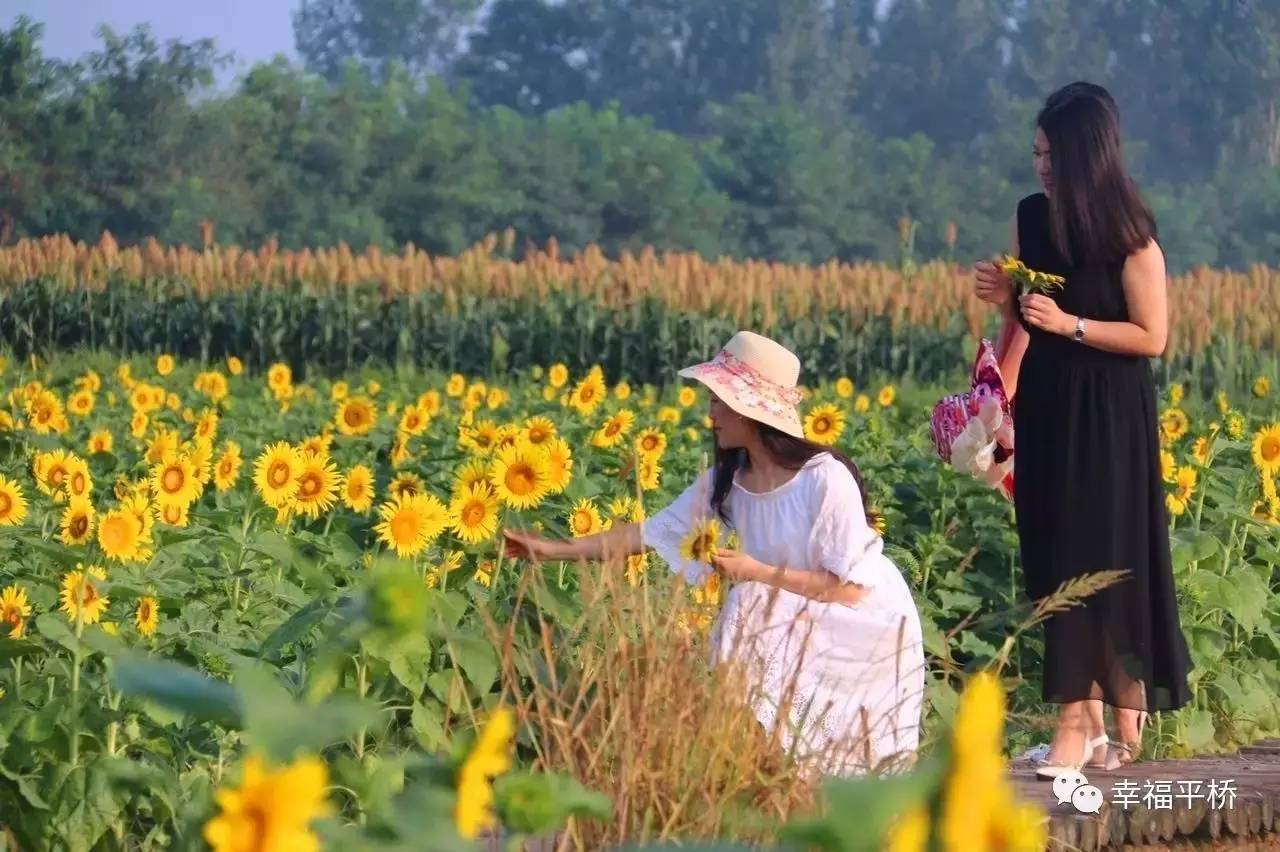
(276, 474)
(473, 513)
(1176, 393)
(622, 390)
(80, 403)
(1266, 450)
(207, 425)
(456, 386)
(77, 522)
(1168, 466)
(413, 421)
(120, 534)
(621, 507)
(234, 365)
(549, 394)
(101, 441)
(520, 476)
(614, 429)
(702, 543)
(227, 469)
(584, 519)
(538, 430)
(844, 387)
(147, 615)
(52, 471)
(272, 809)
(90, 381)
(44, 412)
(651, 442)
(482, 438)
(1235, 425)
(79, 482)
(82, 600)
(475, 395)
(410, 522)
(165, 443)
(637, 565)
(508, 435)
(1223, 402)
(138, 424)
(174, 482)
(164, 365)
(1173, 424)
(484, 573)
(687, 396)
(1200, 450)
(668, 414)
(589, 392)
(429, 403)
(173, 514)
(1261, 387)
(558, 376)
(496, 398)
(862, 404)
(357, 489)
(472, 472)
(279, 376)
(824, 424)
(356, 416)
(650, 471)
(1184, 486)
(13, 505)
(213, 385)
(14, 611)
(886, 396)
(406, 484)
(318, 482)
(559, 465)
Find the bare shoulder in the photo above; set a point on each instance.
(1146, 263)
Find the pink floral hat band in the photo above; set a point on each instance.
(750, 387)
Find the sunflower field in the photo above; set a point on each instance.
(260, 602)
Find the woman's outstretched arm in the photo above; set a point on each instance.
(617, 542)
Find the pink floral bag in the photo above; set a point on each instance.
(973, 431)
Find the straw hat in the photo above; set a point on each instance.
(756, 377)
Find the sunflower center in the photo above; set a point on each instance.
(353, 416)
(173, 480)
(473, 514)
(79, 525)
(613, 428)
(279, 474)
(44, 415)
(310, 485)
(6, 504)
(88, 594)
(224, 469)
(57, 476)
(650, 443)
(582, 522)
(13, 618)
(1271, 449)
(520, 479)
(405, 526)
(144, 611)
(822, 424)
(172, 514)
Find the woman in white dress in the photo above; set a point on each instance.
(821, 618)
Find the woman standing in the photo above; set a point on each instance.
(1088, 491)
(824, 621)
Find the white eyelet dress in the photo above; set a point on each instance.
(850, 676)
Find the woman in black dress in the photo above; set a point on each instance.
(1088, 490)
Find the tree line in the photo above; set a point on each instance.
(792, 130)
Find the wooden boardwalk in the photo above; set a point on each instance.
(1209, 802)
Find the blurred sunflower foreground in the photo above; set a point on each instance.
(958, 799)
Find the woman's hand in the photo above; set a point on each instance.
(738, 566)
(991, 284)
(1043, 313)
(531, 547)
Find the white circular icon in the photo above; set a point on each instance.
(1065, 784)
(1087, 799)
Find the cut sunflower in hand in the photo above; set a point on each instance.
(1030, 280)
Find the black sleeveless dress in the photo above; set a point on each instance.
(1088, 496)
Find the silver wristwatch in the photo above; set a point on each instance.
(1079, 333)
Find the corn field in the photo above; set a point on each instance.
(484, 313)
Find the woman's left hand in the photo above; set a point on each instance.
(737, 566)
(1043, 313)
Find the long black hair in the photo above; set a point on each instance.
(788, 452)
(1096, 213)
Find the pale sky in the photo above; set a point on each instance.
(254, 30)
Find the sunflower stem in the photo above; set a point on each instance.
(75, 680)
(362, 686)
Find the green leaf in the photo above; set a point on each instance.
(294, 628)
(477, 658)
(26, 788)
(11, 649)
(541, 803)
(272, 716)
(274, 546)
(53, 626)
(178, 688)
(410, 664)
(1198, 731)
(428, 723)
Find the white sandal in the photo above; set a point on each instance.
(1046, 771)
